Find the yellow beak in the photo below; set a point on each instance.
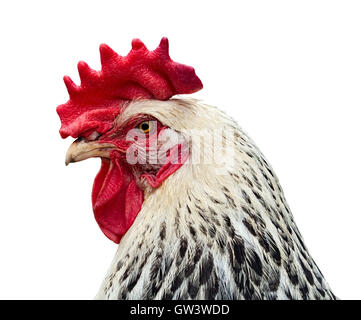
(80, 150)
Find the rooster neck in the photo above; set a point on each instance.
(205, 235)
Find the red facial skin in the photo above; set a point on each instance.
(117, 196)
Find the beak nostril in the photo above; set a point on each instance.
(94, 136)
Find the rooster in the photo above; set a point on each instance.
(194, 219)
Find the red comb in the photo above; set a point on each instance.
(142, 74)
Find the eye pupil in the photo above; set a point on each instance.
(145, 126)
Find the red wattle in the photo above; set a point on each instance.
(116, 199)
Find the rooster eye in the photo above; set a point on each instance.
(145, 126)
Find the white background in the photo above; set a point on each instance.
(288, 71)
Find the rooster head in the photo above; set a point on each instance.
(136, 149)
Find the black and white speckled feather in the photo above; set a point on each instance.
(210, 232)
